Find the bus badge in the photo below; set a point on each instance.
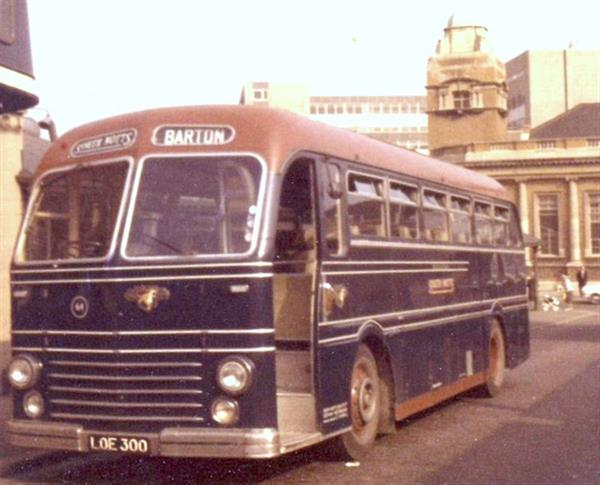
(79, 307)
(147, 297)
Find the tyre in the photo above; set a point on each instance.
(496, 361)
(595, 299)
(365, 405)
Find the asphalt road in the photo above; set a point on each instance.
(544, 428)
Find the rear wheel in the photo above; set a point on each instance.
(365, 405)
(496, 361)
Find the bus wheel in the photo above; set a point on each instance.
(365, 405)
(497, 360)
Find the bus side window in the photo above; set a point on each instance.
(332, 210)
(435, 216)
(513, 229)
(483, 223)
(366, 206)
(404, 200)
(501, 226)
(295, 237)
(460, 219)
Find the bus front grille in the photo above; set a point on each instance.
(137, 392)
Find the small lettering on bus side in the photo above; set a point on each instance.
(107, 142)
(441, 286)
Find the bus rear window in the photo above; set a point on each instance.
(194, 206)
(74, 213)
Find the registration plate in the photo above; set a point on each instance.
(119, 444)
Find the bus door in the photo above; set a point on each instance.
(294, 285)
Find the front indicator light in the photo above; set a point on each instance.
(33, 404)
(234, 375)
(225, 411)
(24, 371)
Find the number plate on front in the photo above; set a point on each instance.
(119, 444)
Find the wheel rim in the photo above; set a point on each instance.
(363, 397)
(496, 359)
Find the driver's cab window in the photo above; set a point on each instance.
(295, 236)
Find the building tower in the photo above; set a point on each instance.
(466, 89)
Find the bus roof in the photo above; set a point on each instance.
(273, 134)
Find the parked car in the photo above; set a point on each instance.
(591, 292)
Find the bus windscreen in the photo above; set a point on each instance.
(194, 206)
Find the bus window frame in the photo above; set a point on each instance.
(488, 217)
(500, 220)
(260, 206)
(383, 199)
(417, 206)
(115, 241)
(323, 165)
(443, 209)
(468, 213)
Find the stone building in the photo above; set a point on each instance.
(552, 171)
(466, 88)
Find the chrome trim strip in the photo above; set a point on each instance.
(408, 327)
(75, 363)
(367, 243)
(512, 308)
(88, 377)
(402, 314)
(93, 390)
(145, 351)
(121, 333)
(259, 264)
(104, 417)
(395, 271)
(145, 278)
(77, 402)
(399, 261)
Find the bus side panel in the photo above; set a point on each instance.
(335, 365)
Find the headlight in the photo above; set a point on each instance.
(33, 404)
(225, 411)
(24, 371)
(234, 375)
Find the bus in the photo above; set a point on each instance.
(240, 281)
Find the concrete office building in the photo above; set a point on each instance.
(399, 120)
(544, 84)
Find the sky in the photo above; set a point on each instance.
(97, 58)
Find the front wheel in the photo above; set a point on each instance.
(365, 404)
(496, 361)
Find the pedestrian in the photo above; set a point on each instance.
(568, 288)
(582, 279)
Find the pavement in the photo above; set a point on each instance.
(10, 456)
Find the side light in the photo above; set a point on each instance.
(235, 375)
(225, 411)
(24, 371)
(33, 404)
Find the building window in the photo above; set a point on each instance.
(548, 224)
(462, 99)
(7, 21)
(261, 94)
(593, 142)
(546, 145)
(592, 211)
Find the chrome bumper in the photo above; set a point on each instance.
(175, 442)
